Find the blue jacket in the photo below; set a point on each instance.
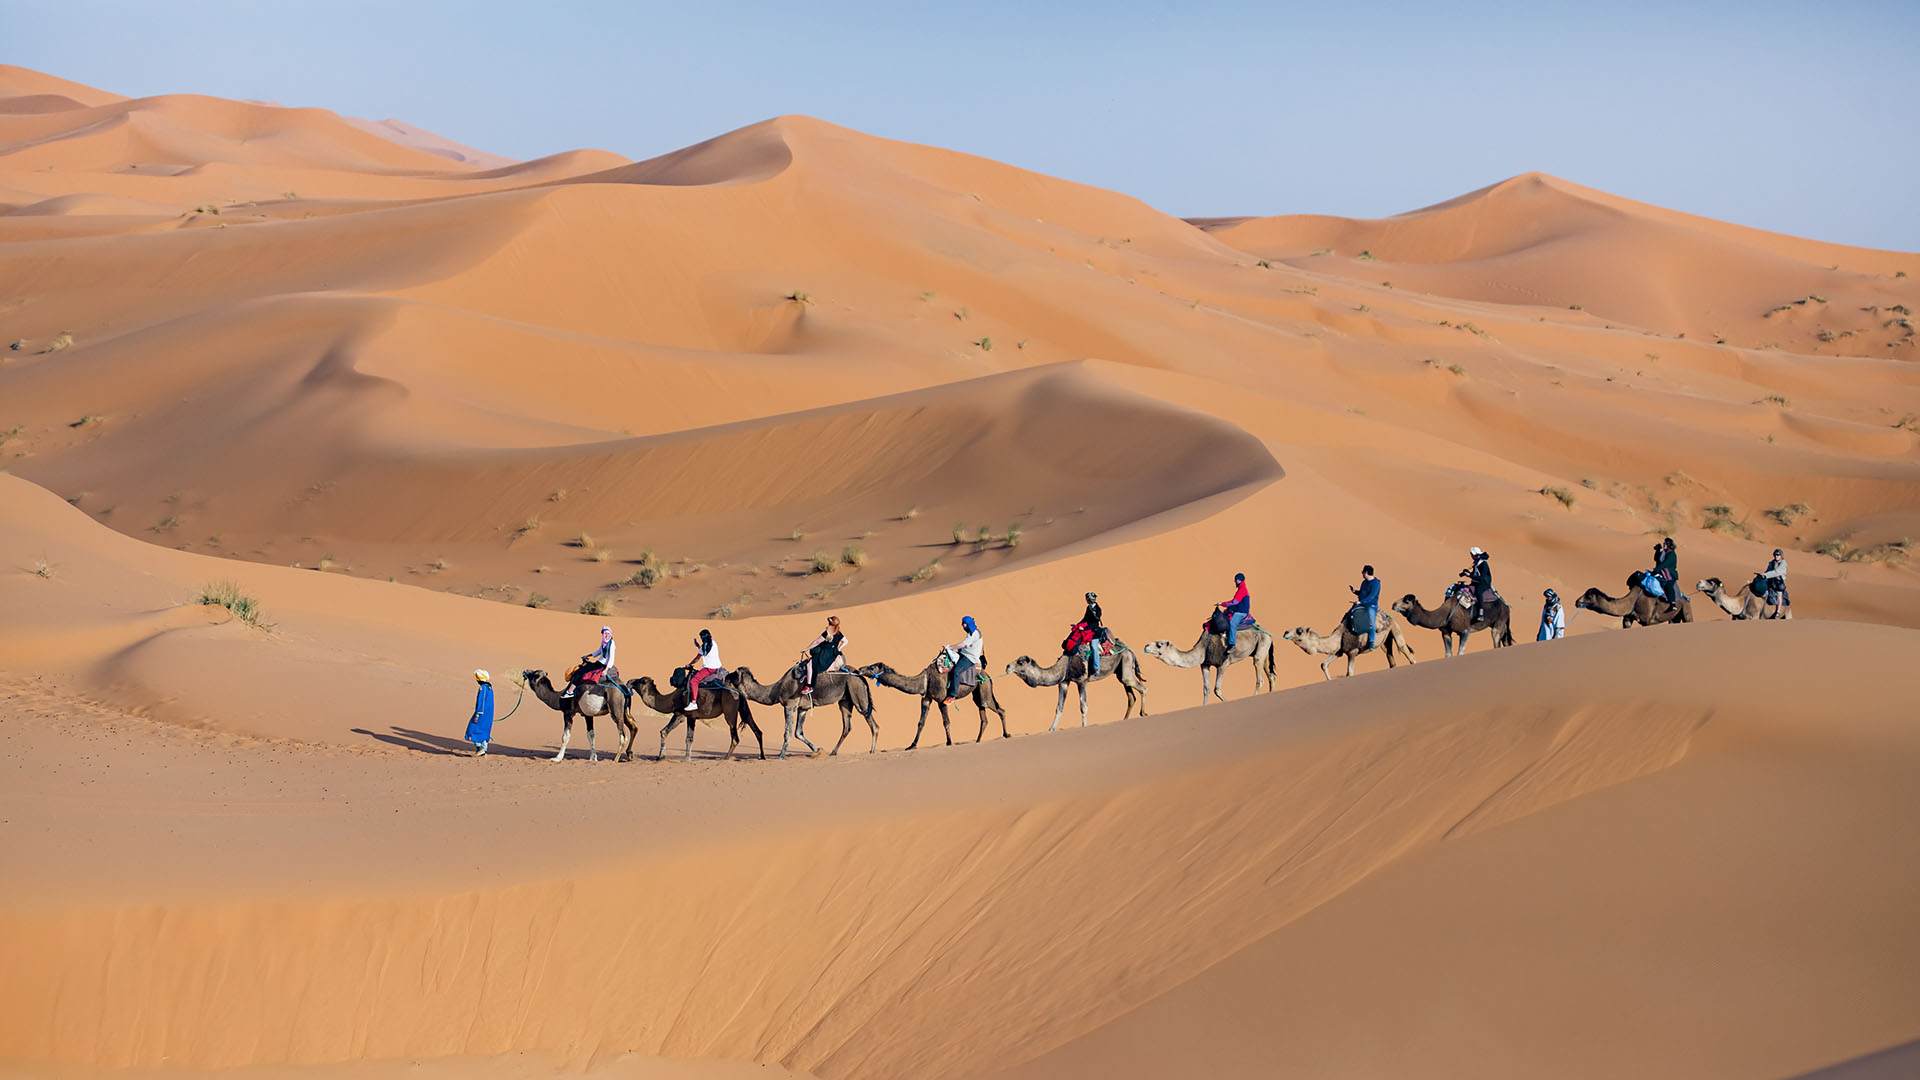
(1369, 593)
(480, 726)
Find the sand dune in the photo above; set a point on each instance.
(405, 395)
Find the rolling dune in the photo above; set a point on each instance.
(406, 395)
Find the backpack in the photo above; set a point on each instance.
(1219, 622)
(1359, 620)
(1761, 583)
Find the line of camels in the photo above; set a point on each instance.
(733, 700)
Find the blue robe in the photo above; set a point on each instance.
(480, 727)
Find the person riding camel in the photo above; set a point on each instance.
(1775, 580)
(1087, 633)
(592, 664)
(966, 654)
(1238, 609)
(1668, 564)
(1553, 618)
(706, 661)
(824, 653)
(1480, 577)
(1651, 582)
(1367, 595)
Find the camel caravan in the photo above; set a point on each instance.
(703, 689)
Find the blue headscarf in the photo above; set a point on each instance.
(967, 624)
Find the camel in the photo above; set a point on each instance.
(1741, 605)
(1124, 667)
(1636, 608)
(830, 688)
(592, 700)
(931, 688)
(1450, 618)
(1210, 654)
(714, 701)
(1345, 642)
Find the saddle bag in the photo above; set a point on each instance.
(1219, 622)
(1359, 620)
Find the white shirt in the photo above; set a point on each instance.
(604, 653)
(972, 648)
(710, 659)
(1555, 620)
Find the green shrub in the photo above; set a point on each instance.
(226, 593)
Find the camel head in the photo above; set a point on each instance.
(1708, 585)
(1155, 648)
(873, 670)
(1294, 635)
(1589, 600)
(1400, 606)
(531, 674)
(1022, 662)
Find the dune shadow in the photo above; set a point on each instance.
(427, 743)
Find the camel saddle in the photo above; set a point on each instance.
(968, 680)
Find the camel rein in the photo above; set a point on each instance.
(516, 702)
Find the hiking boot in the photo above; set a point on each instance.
(482, 752)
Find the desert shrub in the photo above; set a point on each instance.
(1775, 399)
(647, 576)
(798, 534)
(602, 554)
(439, 564)
(1555, 492)
(982, 538)
(959, 532)
(1013, 535)
(597, 604)
(227, 594)
(925, 573)
(584, 541)
(536, 600)
(1790, 513)
(87, 421)
(853, 556)
(1456, 368)
(910, 513)
(527, 527)
(799, 297)
(985, 344)
(822, 563)
(557, 495)
(1834, 548)
(724, 611)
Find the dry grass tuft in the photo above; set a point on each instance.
(227, 594)
(853, 556)
(925, 573)
(1790, 513)
(822, 563)
(1565, 496)
(597, 604)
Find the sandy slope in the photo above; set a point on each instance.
(402, 398)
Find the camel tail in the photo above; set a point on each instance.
(1270, 652)
(1506, 635)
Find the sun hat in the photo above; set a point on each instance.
(480, 674)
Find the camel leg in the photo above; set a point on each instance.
(787, 738)
(800, 732)
(946, 722)
(673, 721)
(733, 733)
(1349, 665)
(846, 729)
(983, 718)
(566, 735)
(689, 754)
(1059, 706)
(925, 703)
(758, 737)
(873, 725)
(1219, 674)
(1083, 702)
(592, 754)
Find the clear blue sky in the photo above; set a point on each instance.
(1798, 117)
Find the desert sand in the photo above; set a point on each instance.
(425, 405)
